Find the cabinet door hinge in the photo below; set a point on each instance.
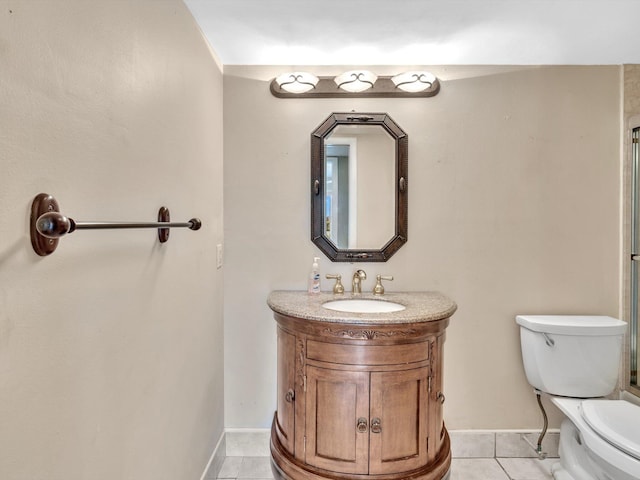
(429, 384)
(304, 382)
(304, 444)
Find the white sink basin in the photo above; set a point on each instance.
(363, 305)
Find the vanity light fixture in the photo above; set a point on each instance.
(297, 82)
(356, 81)
(415, 81)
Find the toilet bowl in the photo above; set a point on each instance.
(587, 453)
(573, 359)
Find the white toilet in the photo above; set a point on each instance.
(575, 359)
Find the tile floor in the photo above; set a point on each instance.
(477, 455)
(259, 468)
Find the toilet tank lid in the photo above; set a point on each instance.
(573, 324)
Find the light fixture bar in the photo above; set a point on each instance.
(327, 88)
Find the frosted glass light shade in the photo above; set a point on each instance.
(356, 80)
(413, 81)
(297, 82)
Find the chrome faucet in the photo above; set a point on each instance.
(356, 283)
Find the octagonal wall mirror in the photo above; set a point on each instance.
(359, 167)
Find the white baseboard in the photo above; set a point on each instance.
(215, 460)
(502, 443)
(245, 442)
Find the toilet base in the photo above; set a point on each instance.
(575, 463)
(559, 473)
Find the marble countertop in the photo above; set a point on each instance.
(420, 306)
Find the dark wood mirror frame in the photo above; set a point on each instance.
(318, 181)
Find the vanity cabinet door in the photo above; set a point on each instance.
(398, 420)
(337, 433)
(285, 415)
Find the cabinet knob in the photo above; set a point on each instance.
(290, 396)
(440, 397)
(375, 426)
(362, 425)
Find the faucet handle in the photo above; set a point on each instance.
(379, 289)
(337, 288)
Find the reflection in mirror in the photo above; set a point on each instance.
(359, 186)
(359, 176)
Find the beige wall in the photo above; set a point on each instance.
(111, 361)
(513, 208)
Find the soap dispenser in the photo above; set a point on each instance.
(314, 277)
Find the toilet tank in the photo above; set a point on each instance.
(571, 355)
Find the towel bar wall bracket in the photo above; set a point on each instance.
(47, 224)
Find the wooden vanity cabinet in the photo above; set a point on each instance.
(359, 401)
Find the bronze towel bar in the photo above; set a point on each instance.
(48, 224)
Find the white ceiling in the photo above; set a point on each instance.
(421, 32)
